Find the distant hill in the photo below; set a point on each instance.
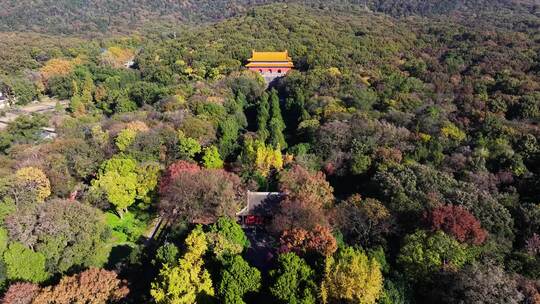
(100, 16)
(441, 7)
(79, 16)
(76, 16)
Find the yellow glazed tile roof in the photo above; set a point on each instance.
(270, 56)
(270, 64)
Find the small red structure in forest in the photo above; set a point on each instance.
(270, 64)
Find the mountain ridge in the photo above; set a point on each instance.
(101, 16)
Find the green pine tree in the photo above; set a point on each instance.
(276, 125)
(88, 88)
(239, 106)
(263, 115)
(228, 131)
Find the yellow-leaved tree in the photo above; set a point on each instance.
(351, 277)
(262, 158)
(127, 136)
(56, 67)
(116, 56)
(188, 282)
(31, 179)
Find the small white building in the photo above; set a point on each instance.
(48, 133)
(129, 64)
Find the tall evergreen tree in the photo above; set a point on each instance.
(237, 279)
(276, 125)
(240, 104)
(76, 104)
(228, 131)
(87, 89)
(295, 111)
(263, 115)
(81, 100)
(293, 281)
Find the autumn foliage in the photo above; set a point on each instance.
(20, 293)
(458, 222)
(56, 67)
(200, 195)
(405, 132)
(34, 180)
(294, 213)
(362, 221)
(310, 188)
(94, 285)
(532, 245)
(530, 289)
(174, 171)
(117, 56)
(300, 241)
(189, 280)
(351, 277)
(307, 196)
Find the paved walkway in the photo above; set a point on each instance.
(261, 250)
(156, 224)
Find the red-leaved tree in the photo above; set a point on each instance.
(294, 213)
(307, 197)
(175, 170)
(458, 222)
(202, 195)
(20, 293)
(530, 290)
(310, 188)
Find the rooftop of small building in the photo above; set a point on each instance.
(270, 56)
(260, 203)
(277, 64)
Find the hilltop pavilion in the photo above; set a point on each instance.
(270, 64)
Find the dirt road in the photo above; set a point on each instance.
(44, 106)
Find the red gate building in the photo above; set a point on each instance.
(270, 64)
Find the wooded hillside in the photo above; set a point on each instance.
(406, 151)
(100, 16)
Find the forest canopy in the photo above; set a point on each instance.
(401, 154)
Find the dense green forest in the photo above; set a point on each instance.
(405, 145)
(97, 17)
